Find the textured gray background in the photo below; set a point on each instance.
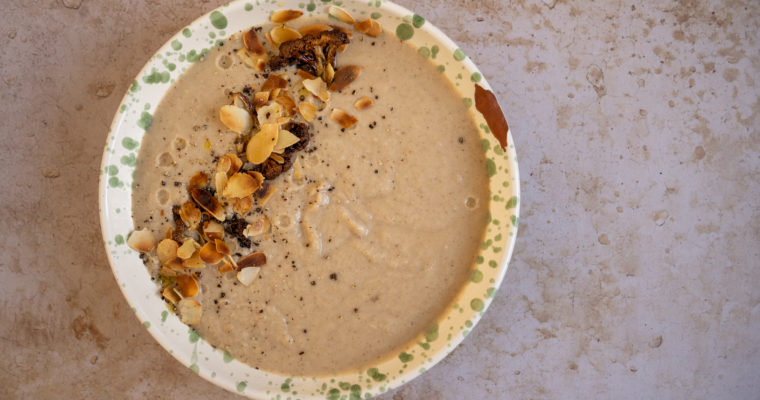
(636, 272)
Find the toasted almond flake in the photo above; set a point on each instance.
(304, 75)
(235, 163)
(369, 27)
(282, 16)
(194, 262)
(255, 259)
(252, 43)
(190, 214)
(314, 29)
(167, 272)
(190, 311)
(222, 247)
(260, 99)
(213, 230)
(200, 179)
(285, 139)
(169, 233)
(307, 110)
(344, 119)
(223, 165)
(340, 14)
(188, 285)
(277, 158)
(235, 118)
(225, 267)
(241, 206)
(258, 227)
(364, 103)
(171, 296)
(208, 203)
(175, 265)
(317, 87)
(240, 185)
(231, 260)
(166, 250)
(344, 76)
(261, 144)
(258, 176)
(142, 241)
(329, 73)
(265, 193)
(282, 34)
(287, 103)
(188, 248)
(274, 82)
(247, 275)
(220, 181)
(239, 100)
(269, 114)
(255, 61)
(209, 255)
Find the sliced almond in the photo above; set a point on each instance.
(329, 73)
(282, 34)
(274, 82)
(282, 16)
(235, 118)
(200, 179)
(260, 99)
(340, 14)
(285, 139)
(252, 43)
(257, 175)
(240, 185)
(239, 100)
(287, 103)
(204, 199)
(209, 255)
(317, 87)
(222, 247)
(225, 267)
(255, 259)
(269, 114)
(220, 181)
(241, 206)
(265, 193)
(166, 250)
(188, 248)
(364, 103)
(190, 214)
(344, 119)
(304, 75)
(277, 158)
(261, 144)
(142, 241)
(344, 76)
(314, 29)
(369, 27)
(229, 164)
(194, 262)
(259, 227)
(255, 61)
(168, 272)
(174, 265)
(213, 230)
(247, 275)
(307, 110)
(171, 296)
(188, 285)
(190, 311)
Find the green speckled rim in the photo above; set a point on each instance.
(117, 170)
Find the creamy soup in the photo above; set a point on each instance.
(374, 229)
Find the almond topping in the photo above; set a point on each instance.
(194, 262)
(269, 114)
(304, 75)
(287, 103)
(188, 286)
(222, 247)
(340, 14)
(174, 265)
(189, 311)
(344, 76)
(209, 255)
(220, 181)
(329, 73)
(142, 241)
(261, 144)
(208, 203)
(314, 29)
(200, 179)
(265, 193)
(246, 276)
(284, 140)
(317, 87)
(260, 99)
(255, 61)
(364, 103)
(274, 82)
(243, 205)
(343, 118)
(255, 259)
(225, 267)
(235, 118)
(252, 43)
(167, 250)
(188, 248)
(229, 164)
(213, 230)
(170, 295)
(282, 16)
(257, 175)
(240, 185)
(258, 227)
(277, 158)
(190, 214)
(307, 110)
(369, 27)
(168, 272)
(282, 34)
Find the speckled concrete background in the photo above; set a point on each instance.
(637, 268)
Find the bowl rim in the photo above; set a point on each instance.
(506, 159)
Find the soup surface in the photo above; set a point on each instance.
(374, 229)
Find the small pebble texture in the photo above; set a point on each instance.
(636, 273)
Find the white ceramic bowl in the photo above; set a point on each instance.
(121, 150)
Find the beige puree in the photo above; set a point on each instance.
(368, 247)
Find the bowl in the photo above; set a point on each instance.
(134, 116)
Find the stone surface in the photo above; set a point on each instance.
(636, 272)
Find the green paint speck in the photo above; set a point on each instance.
(311, 7)
(493, 264)
(476, 276)
(285, 387)
(418, 21)
(156, 77)
(459, 55)
(441, 68)
(164, 314)
(477, 304)
(486, 145)
(146, 324)
(424, 52)
(115, 182)
(480, 260)
(119, 239)
(145, 120)
(344, 385)
(467, 102)
(405, 357)
(218, 20)
(431, 334)
(186, 32)
(129, 160)
(515, 220)
(112, 170)
(171, 66)
(333, 394)
(376, 375)
(135, 86)
(129, 144)
(512, 203)
(248, 6)
(195, 368)
(434, 51)
(490, 292)
(227, 357)
(241, 386)
(193, 335)
(476, 77)
(404, 31)
(375, 15)
(491, 166)
(176, 45)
